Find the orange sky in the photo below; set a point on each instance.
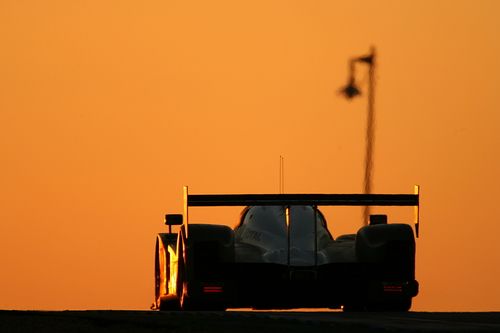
(108, 107)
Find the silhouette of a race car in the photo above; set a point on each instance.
(281, 255)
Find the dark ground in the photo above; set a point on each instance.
(245, 321)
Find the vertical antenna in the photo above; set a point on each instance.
(279, 178)
(282, 175)
(185, 217)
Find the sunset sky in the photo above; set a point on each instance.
(107, 108)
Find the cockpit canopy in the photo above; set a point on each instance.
(265, 227)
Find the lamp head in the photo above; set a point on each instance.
(350, 90)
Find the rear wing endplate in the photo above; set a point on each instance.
(212, 200)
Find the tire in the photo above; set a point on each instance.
(169, 304)
(185, 302)
(181, 273)
(200, 234)
(156, 304)
(163, 300)
(158, 283)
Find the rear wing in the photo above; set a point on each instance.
(211, 200)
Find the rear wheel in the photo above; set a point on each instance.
(160, 283)
(198, 264)
(185, 301)
(169, 303)
(164, 301)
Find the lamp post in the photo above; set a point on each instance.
(350, 91)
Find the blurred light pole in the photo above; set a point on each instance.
(350, 91)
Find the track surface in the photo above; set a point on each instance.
(245, 321)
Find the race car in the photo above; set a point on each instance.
(281, 255)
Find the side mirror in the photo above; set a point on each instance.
(173, 219)
(378, 219)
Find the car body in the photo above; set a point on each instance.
(281, 255)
